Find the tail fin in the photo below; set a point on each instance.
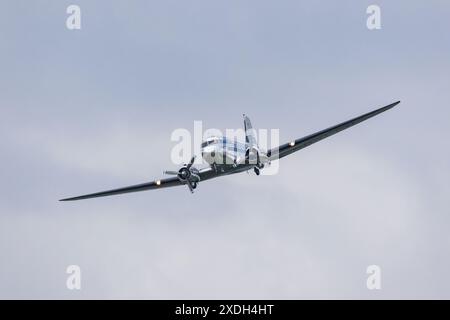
(250, 133)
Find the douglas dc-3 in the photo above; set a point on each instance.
(226, 157)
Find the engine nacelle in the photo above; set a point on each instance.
(252, 156)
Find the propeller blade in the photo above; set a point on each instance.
(171, 172)
(189, 184)
(191, 163)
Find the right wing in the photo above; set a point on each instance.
(291, 147)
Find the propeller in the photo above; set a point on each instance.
(187, 174)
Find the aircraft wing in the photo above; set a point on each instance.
(293, 146)
(204, 174)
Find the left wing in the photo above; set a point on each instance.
(204, 174)
(163, 183)
(291, 147)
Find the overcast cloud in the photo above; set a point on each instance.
(93, 109)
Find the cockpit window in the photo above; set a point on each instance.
(210, 141)
(229, 144)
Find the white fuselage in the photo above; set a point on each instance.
(228, 155)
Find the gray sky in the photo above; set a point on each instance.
(93, 109)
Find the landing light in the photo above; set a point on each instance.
(158, 182)
(292, 143)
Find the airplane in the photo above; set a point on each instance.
(225, 157)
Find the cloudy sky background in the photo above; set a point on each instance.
(88, 110)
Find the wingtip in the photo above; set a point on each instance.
(390, 106)
(395, 103)
(68, 199)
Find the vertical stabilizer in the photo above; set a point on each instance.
(250, 133)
